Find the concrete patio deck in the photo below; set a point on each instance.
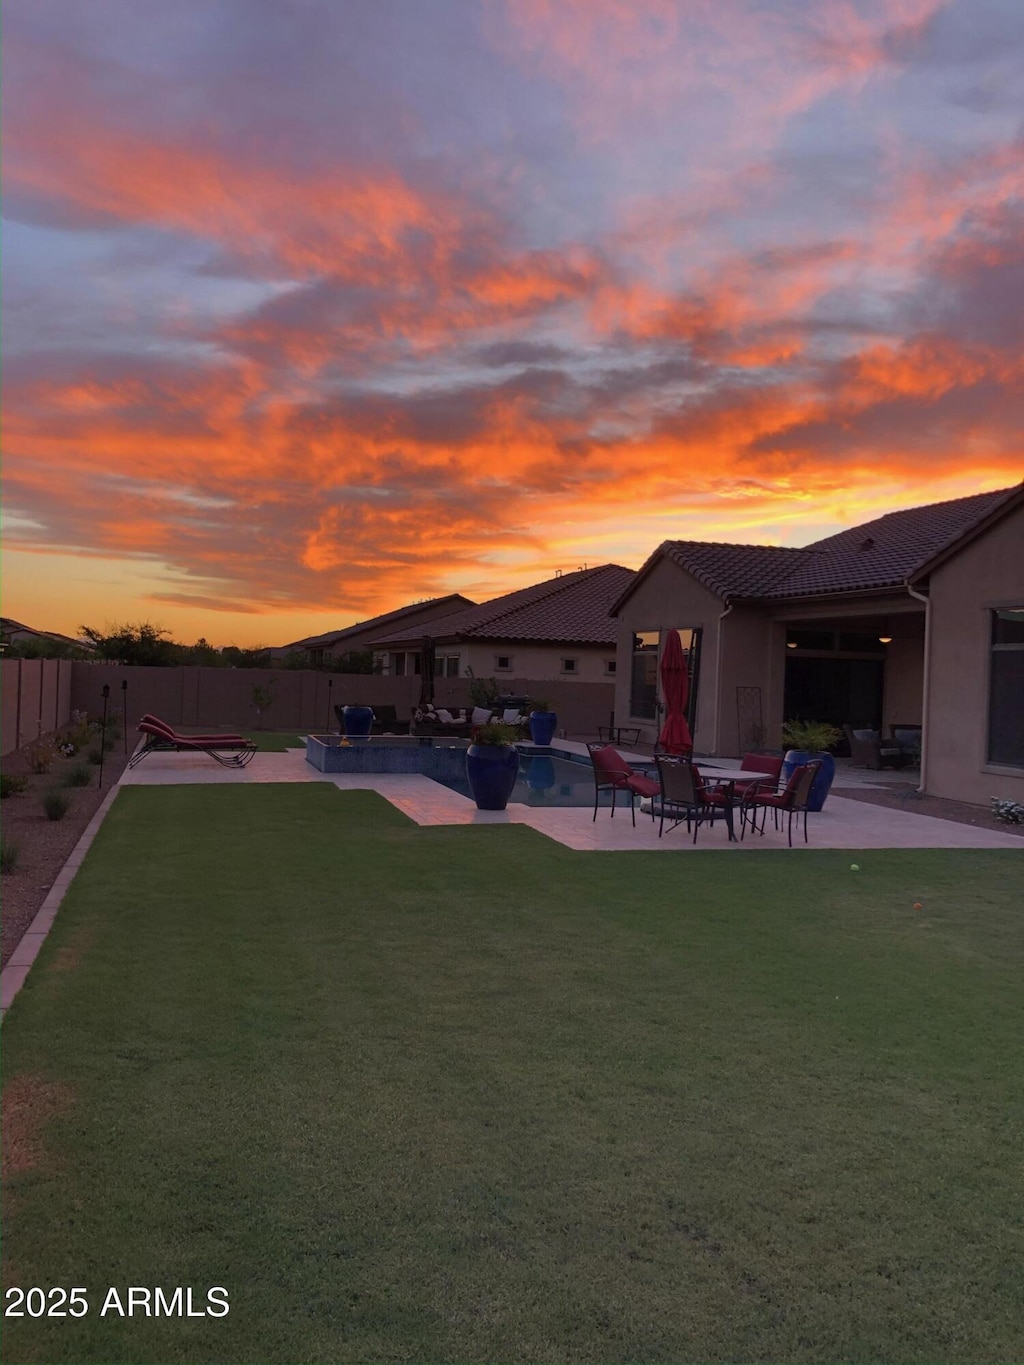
(842, 824)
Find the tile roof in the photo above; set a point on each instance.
(383, 621)
(734, 570)
(882, 553)
(885, 552)
(571, 609)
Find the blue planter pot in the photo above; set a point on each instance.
(357, 721)
(492, 771)
(796, 757)
(542, 726)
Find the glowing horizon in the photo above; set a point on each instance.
(314, 310)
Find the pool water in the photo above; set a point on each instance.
(545, 781)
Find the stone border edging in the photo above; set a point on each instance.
(13, 975)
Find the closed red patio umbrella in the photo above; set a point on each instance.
(675, 737)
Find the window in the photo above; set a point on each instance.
(1006, 688)
(405, 664)
(643, 693)
(644, 688)
(448, 666)
(503, 663)
(609, 667)
(570, 665)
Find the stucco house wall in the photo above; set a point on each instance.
(987, 573)
(752, 656)
(669, 598)
(539, 663)
(904, 673)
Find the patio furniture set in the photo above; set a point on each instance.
(462, 723)
(683, 792)
(870, 749)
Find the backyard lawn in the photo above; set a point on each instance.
(465, 1095)
(276, 741)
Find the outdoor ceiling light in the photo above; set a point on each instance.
(791, 644)
(885, 639)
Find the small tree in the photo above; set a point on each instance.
(262, 698)
(483, 691)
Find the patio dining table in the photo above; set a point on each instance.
(726, 779)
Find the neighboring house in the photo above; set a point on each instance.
(915, 618)
(556, 631)
(322, 648)
(13, 632)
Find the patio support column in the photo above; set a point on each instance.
(716, 734)
(925, 683)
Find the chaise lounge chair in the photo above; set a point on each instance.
(231, 751)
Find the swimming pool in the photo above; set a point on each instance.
(549, 778)
(543, 780)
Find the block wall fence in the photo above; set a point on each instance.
(38, 697)
(35, 699)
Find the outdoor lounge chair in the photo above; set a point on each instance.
(791, 801)
(612, 773)
(869, 750)
(685, 795)
(439, 721)
(231, 751)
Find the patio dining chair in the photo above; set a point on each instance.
(792, 801)
(685, 795)
(767, 769)
(612, 773)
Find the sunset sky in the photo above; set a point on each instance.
(316, 307)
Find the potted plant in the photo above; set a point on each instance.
(806, 740)
(356, 720)
(542, 722)
(492, 764)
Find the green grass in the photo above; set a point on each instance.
(465, 1095)
(271, 742)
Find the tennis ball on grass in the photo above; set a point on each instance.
(855, 867)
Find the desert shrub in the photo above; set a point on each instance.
(40, 756)
(80, 730)
(9, 855)
(56, 804)
(78, 776)
(108, 745)
(1009, 812)
(95, 755)
(12, 784)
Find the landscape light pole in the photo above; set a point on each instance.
(103, 728)
(330, 684)
(124, 710)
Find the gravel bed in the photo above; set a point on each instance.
(44, 846)
(905, 796)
